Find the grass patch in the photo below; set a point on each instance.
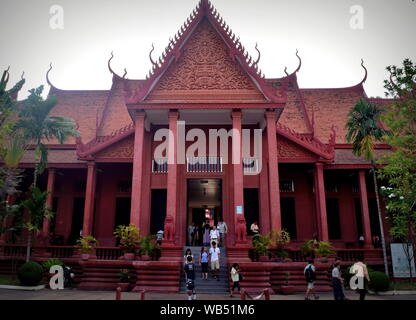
(9, 281)
(403, 286)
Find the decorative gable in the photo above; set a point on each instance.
(205, 71)
(289, 150)
(123, 149)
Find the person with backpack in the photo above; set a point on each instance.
(189, 269)
(310, 276)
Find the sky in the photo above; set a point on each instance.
(332, 37)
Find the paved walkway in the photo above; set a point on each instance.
(74, 294)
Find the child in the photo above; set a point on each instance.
(235, 277)
(190, 278)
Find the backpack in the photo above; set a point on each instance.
(190, 285)
(310, 275)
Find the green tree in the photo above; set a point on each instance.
(38, 126)
(38, 211)
(363, 130)
(400, 168)
(12, 146)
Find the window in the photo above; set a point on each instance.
(160, 165)
(251, 165)
(287, 186)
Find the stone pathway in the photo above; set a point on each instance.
(74, 294)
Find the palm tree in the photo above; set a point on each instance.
(38, 126)
(363, 131)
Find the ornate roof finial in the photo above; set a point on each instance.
(365, 75)
(258, 58)
(125, 73)
(109, 62)
(23, 74)
(300, 61)
(47, 75)
(6, 75)
(286, 71)
(150, 55)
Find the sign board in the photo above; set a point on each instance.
(239, 209)
(400, 262)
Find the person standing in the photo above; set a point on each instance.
(190, 233)
(214, 235)
(205, 237)
(222, 228)
(359, 269)
(189, 269)
(310, 276)
(195, 236)
(361, 242)
(235, 277)
(337, 282)
(214, 253)
(204, 263)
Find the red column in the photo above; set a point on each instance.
(137, 176)
(172, 192)
(321, 202)
(274, 189)
(364, 210)
(238, 183)
(89, 200)
(49, 200)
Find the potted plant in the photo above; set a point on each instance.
(319, 249)
(286, 288)
(148, 247)
(324, 251)
(261, 245)
(279, 240)
(124, 280)
(129, 238)
(86, 246)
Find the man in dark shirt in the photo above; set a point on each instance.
(189, 269)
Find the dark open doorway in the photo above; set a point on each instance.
(204, 203)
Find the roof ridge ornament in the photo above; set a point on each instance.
(365, 69)
(258, 58)
(47, 76)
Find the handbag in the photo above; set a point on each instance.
(240, 277)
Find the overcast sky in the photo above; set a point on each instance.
(330, 35)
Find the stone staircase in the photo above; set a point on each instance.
(211, 285)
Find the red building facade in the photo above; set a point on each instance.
(305, 180)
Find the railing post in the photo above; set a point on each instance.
(242, 294)
(142, 294)
(118, 293)
(266, 294)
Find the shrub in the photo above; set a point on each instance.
(379, 281)
(51, 262)
(30, 274)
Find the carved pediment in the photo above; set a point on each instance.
(205, 71)
(289, 150)
(123, 149)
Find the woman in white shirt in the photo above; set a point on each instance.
(214, 234)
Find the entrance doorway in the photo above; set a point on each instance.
(204, 205)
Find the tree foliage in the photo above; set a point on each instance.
(400, 169)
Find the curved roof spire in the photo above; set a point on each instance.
(109, 65)
(125, 73)
(365, 69)
(258, 57)
(150, 55)
(300, 61)
(47, 76)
